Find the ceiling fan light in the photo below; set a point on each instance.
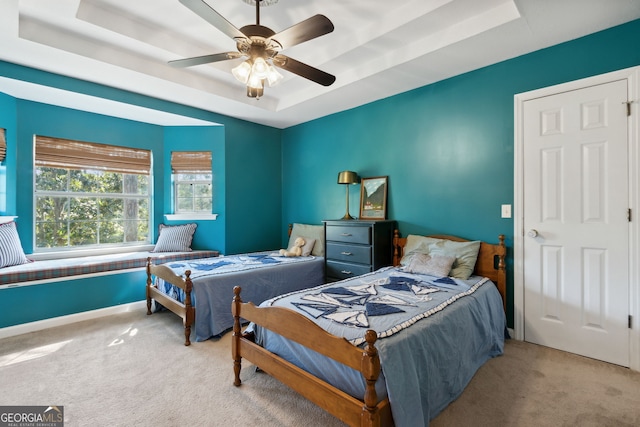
(260, 68)
(242, 72)
(255, 82)
(273, 76)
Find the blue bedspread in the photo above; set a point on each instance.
(434, 333)
(261, 276)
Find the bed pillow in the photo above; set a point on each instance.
(308, 232)
(11, 252)
(175, 238)
(433, 265)
(416, 245)
(466, 254)
(308, 246)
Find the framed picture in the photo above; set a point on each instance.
(373, 198)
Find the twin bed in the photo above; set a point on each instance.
(199, 291)
(393, 347)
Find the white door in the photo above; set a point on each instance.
(576, 225)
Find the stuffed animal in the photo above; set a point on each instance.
(296, 249)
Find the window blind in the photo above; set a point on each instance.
(3, 145)
(191, 162)
(69, 154)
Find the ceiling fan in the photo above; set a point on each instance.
(261, 46)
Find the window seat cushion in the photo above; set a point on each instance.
(64, 267)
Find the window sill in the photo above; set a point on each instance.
(190, 217)
(43, 256)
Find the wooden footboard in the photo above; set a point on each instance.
(185, 310)
(364, 412)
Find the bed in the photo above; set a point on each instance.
(400, 376)
(204, 286)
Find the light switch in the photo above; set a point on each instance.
(506, 211)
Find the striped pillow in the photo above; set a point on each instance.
(176, 238)
(11, 252)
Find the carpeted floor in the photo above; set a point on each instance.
(132, 369)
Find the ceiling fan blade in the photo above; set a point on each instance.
(301, 32)
(207, 13)
(303, 70)
(197, 60)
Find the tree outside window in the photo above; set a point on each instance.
(92, 201)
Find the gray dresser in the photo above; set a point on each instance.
(355, 247)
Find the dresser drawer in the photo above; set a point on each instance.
(349, 234)
(348, 253)
(344, 270)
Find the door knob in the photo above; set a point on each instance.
(533, 233)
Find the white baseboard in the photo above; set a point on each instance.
(25, 328)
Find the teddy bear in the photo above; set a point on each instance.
(295, 250)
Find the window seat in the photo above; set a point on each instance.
(65, 267)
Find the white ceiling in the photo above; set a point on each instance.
(378, 48)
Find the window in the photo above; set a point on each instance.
(90, 195)
(191, 172)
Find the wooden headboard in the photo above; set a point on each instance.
(490, 263)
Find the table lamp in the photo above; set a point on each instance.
(348, 178)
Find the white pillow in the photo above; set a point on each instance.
(176, 238)
(307, 231)
(433, 265)
(416, 244)
(11, 252)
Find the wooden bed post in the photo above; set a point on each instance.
(148, 286)
(397, 256)
(370, 370)
(502, 269)
(237, 334)
(189, 316)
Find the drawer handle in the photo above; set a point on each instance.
(346, 234)
(345, 272)
(346, 253)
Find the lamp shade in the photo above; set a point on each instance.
(347, 177)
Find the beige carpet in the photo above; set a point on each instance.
(132, 370)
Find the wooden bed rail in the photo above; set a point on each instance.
(185, 310)
(366, 412)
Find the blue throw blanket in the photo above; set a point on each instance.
(230, 264)
(387, 302)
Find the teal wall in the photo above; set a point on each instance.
(254, 188)
(448, 148)
(246, 178)
(38, 302)
(246, 160)
(209, 234)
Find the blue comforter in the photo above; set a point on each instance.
(434, 333)
(261, 276)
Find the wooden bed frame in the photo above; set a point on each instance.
(365, 412)
(185, 310)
